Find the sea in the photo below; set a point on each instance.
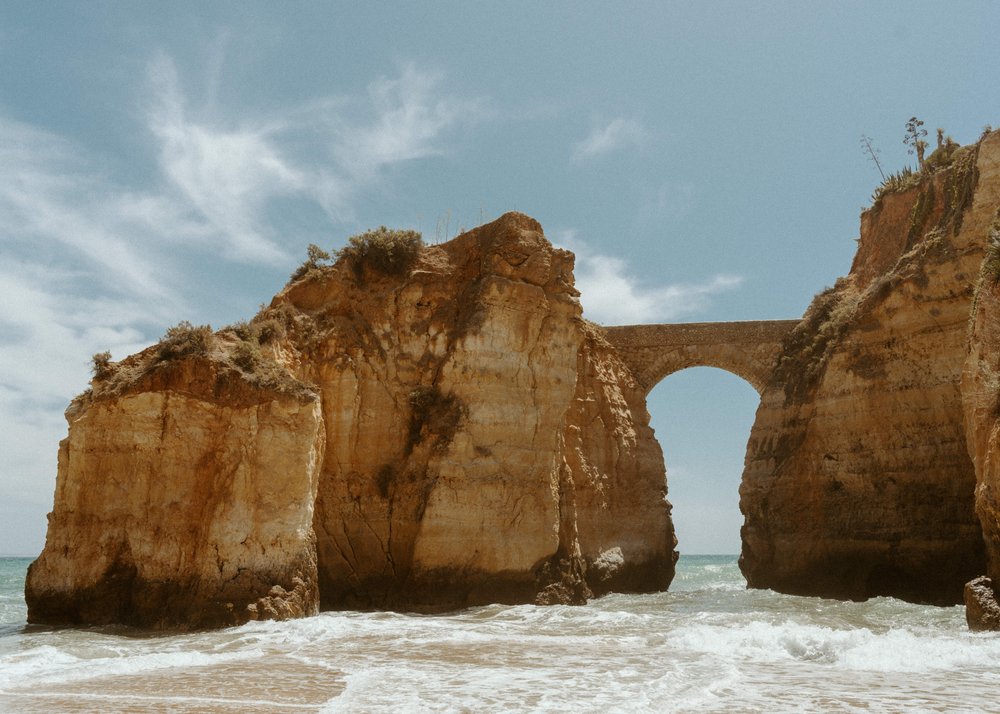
(707, 645)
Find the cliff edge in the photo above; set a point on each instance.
(858, 481)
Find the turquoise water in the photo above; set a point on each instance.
(708, 645)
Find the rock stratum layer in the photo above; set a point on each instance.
(981, 398)
(858, 480)
(450, 436)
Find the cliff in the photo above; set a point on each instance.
(858, 481)
(981, 398)
(184, 500)
(424, 435)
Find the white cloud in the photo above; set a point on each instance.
(88, 263)
(618, 134)
(227, 176)
(50, 200)
(48, 334)
(410, 118)
(326, 151)
(612, 296)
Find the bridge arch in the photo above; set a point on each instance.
(747, 349)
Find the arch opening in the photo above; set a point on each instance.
(702, 418)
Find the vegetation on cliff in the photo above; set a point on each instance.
(387, 250)
(233, 349)
(944, 190)
(947, 153)
(390, 251)
(990, 272)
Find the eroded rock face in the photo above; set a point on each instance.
(448, 402)
(451, 435)
(858, 482)
(619, 480)
(981, 398)
(982, 611)
(184, 502)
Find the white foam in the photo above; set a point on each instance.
(47, 663)
(715, 647)
(896, 650)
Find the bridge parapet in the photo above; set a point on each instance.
(748, 349)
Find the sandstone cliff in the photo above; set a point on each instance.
(449, 435)
(857, 480)
(186, 500)
(981, 396)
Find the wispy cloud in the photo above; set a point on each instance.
(410, 115)
(92, 263)
(84, 269)
(617, 134)
(53, 201)
(326, 151)
(611, 295)
(226, 175)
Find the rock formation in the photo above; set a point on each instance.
(982, 610)
(184, 500)
(438, 434)
(434, 427)
(981, 396)
(858, 481)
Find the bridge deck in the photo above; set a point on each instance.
(700, 333)
(748, 349)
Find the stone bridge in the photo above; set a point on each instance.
(747, 349)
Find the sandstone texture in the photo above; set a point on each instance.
(441, 436)
(184, 502)
(858, 481)
(474, 425)
(981, 398)
(982, 611)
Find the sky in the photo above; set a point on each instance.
(162, 162)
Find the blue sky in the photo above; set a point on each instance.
(169, 161)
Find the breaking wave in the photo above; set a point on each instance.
(708, 645)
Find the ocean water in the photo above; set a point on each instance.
(708, 645)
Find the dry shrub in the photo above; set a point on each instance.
(184, 340)
(269, 330)
(246, 355)
(102, 367)
(389, 251)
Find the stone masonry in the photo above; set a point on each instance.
(747, 349)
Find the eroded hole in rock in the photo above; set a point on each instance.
(702, 417)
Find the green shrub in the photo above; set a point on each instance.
(317, 258)
(184, 340)
(243, 329)
(959, 186)
(899, 181)
(942, 155)
(260, 330)
(389, 251)
(807, 348)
